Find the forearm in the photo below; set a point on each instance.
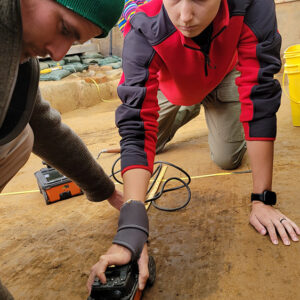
(135, 184)
(261, 159)
(133, 226)
(60, 147)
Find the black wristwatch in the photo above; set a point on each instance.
(267, 197)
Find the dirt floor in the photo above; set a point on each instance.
(207, 250)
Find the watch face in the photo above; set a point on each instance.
(269, 197)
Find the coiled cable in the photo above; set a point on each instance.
(163, 188)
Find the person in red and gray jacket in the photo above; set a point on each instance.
(171, 117)
(222, 53)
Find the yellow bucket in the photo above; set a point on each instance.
(292, 69)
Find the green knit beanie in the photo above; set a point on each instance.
(103, 13)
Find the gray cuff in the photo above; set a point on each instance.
(133, 227)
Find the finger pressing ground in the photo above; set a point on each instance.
(257, 225)
(294, 225)
(282, 232)
(272, 232)
(291, 231)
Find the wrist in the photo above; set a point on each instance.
(256, 203)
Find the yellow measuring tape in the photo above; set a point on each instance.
(159, 180)
(16, 193)
(216, 174)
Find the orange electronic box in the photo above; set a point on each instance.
(55, 186)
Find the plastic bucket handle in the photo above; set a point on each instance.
(285, 92)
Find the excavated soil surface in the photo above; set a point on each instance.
(207, 250)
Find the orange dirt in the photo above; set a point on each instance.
(206, 251)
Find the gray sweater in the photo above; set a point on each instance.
(21, 103)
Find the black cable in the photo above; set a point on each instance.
(163, 190)
(113, 173)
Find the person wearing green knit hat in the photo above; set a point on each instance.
(103, 13)
(31, 28)
(50, 27)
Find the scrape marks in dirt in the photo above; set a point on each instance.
(189, 246)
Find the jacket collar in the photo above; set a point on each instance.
(222, 18)
(221, 21)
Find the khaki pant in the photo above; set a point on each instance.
(13, 156)
(222, 111)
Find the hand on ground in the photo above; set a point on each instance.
(267, 219)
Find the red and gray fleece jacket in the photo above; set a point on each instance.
(156, 55)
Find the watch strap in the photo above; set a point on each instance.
(267, 197)
(257, 197)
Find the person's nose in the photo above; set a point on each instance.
(186, 13)
(58, 49)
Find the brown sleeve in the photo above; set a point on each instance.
(63, 149)
(4, 293)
